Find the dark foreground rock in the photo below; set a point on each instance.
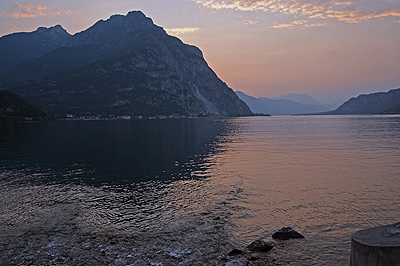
(236, 252)
(260, 246)
(286, 233)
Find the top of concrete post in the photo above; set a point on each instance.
(382, 236)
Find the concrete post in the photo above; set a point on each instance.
(378, 246)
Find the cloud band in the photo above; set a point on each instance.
(183, 30)
(346, 11)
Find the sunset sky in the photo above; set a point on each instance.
(329, 49)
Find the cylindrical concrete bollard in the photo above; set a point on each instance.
(378, 246)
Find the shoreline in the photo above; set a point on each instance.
(59, 224)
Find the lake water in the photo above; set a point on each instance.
(202, 186)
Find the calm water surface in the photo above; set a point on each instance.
(236, 178)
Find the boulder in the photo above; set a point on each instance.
(286, 233)
(236, 252)
(260, 246)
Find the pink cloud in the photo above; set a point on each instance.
(30, 11)
(298, 23)
(183, 30)
(10, 27)
(346, 11)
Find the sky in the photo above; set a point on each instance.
(330, 49)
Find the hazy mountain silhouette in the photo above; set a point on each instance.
(393, 110)
(298, 98)
(279, 106)
(123, 65)
(374, 103)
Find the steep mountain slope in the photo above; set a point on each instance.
(14, 108)
(59, 60)
(374, 103)
(393, 110)
(101, 41)
(279, 106)
(255, 105)
(126, 65)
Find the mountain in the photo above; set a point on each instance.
(14, 108)
(334, 104)
(375, 103)
(393, 110)
(253, 103)
(123, 65)
(298, 98)
(23, 46)
(279, 106)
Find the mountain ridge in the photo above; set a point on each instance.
(132, 66)
(19, 47)
(303, 98)
(373, 103)
(14, 109)
(279, 106)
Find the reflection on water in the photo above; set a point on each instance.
(224, 182)
(326, 176)
(116, 152)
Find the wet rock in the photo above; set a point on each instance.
(236, 263)
(260, 246)
(236, 252)
(286, 233)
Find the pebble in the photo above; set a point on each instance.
(236, 263)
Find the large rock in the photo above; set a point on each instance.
(260, 246)
(286, 233)
(236, 252)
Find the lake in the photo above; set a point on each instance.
(189, 190)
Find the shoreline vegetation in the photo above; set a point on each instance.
(15, 109)
(128, 117)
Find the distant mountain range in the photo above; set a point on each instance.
(13, 108)
(125, 65)
(374, 103)
(282, 105)
(298, 98)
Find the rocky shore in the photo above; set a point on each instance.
(67, 224)
(71, 246)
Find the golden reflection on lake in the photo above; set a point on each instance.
(326, 176)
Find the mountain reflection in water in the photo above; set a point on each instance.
(113, 152)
